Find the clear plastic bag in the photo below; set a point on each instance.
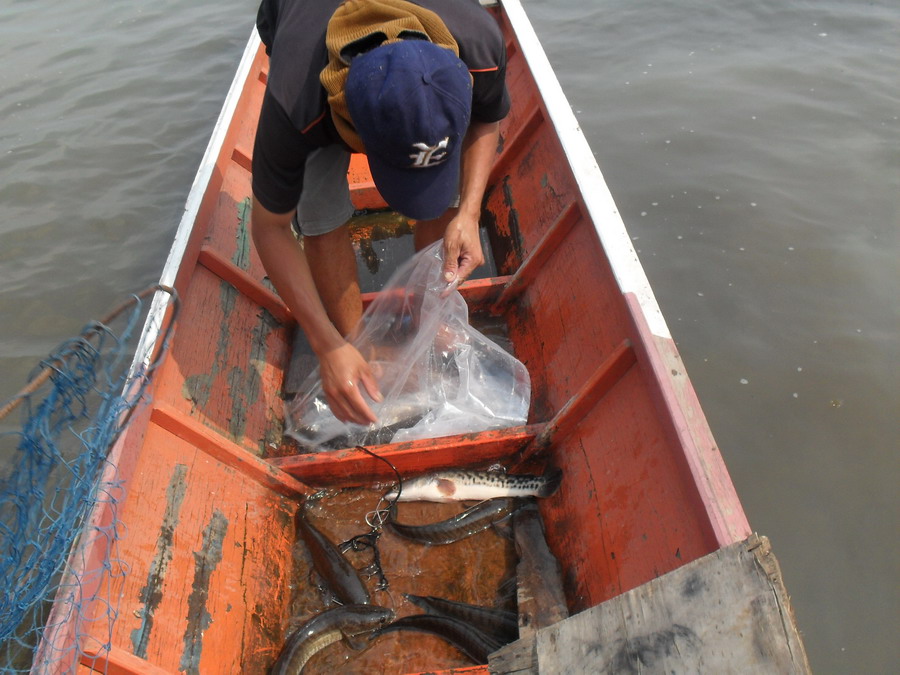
(438, 375)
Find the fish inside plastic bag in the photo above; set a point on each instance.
(438, 375)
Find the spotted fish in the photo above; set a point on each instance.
(459, 485)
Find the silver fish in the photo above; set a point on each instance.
(473, 520)
(326, 628)
(455, 486)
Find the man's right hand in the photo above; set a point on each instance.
(342, 367)
(343, 371)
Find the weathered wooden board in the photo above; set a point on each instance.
(727, 612)
(540, 598)
(196, 533)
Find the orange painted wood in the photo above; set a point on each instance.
(514, 143)
(242, 158)
(355, 467)
(244, 284)
(680, 407)
(471, 670)
(479, 294)
(242, 130)
(532, 265)
(229, 453)
(363, 192)
(227, 229)
(210, 563)
(608, 373)
(226, 364)
(572, 312)
(118, 662)
(625, 511)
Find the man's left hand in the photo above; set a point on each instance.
(462, 249)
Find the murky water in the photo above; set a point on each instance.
(752, 148)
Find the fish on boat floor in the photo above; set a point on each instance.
(467, 485)
(345, 622)
(473, 520)
(472, 570)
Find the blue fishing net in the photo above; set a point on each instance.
(59, 491)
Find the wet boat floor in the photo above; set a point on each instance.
(479, 570)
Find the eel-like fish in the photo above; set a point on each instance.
(474, 519)
(453, 486)
(499, 623)
(327, 628)
(472, 642)
(335, 570)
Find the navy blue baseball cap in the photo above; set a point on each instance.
(410, 102)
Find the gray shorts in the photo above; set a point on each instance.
(325, 202)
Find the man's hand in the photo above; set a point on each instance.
(343, 370)
(342, 367)
(462, 248)
(462, 245)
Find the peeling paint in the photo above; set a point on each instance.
(198, 388)
(245, 384)
(199, 618)
(151, 593)
(241, 256)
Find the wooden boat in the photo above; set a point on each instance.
(211, 489)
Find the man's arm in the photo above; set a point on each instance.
(462, 243)
(342, 366)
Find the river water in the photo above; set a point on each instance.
(753, 149)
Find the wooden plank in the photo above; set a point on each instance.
(479, 294)
(355, 467)
(363, 193)
(608, 373)
(537, 258)
(679, 407)
(211, 565)
(229, 453)
(230, 385)
(116, 661)
(727, 612)
(539, 587)
(244, 284)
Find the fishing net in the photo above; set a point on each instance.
(438, 375)
(59, 491)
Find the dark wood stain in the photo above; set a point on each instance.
(199, 618)
(151, 593)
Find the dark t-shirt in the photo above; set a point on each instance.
(295, 117)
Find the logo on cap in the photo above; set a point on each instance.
(411, 102)
(429, 155)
